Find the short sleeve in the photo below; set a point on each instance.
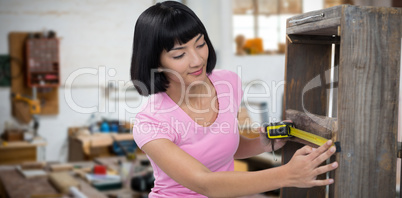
(232, 84)
(147, 128)
(239, 91)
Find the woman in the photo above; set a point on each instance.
(188, 128)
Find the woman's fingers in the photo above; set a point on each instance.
(324, 156)
(322, 182)
(317, 152)
(327, 154)
(305, 150)
(326, 168)
(280, 141)
(321, 170)
(306, 165)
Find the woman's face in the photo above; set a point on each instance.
(186, 63)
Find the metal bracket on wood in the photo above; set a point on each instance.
(308, 19)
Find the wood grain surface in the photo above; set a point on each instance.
(319, 125)
(305, 91)
(16, 186)
(368, 101)
(320, 22)
(366, 96)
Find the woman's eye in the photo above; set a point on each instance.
(178, 57)
(202, 45)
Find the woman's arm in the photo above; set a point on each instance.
(249, 147)
(301, 171)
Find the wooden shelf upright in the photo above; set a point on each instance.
(367, 47)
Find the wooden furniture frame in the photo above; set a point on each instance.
(367, 61)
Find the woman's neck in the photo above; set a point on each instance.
(194, 94)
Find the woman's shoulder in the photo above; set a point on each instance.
(224, 74)
(156, 109)
(228, 81)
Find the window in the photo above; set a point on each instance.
(259, 26)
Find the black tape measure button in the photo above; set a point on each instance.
(279, 131)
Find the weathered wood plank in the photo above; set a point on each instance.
(321, 22)
(319, 125)
(323, 126)
(309, 39)
(314, 16)
(304, 91)
(399, 130)
(368, 101)
(324, 27)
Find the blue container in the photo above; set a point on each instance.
(129, 146)
(114, 127)
(105, 127)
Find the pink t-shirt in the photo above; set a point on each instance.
(214, 146)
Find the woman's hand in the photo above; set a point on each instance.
(267, 143)
(304, 168)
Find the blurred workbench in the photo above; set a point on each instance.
(21, 151)
(85, 146)
(14, 185)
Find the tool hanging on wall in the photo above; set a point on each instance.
(42, 60)
(34, 64)
(280, 130)
(34, 103)
(34, 108)
(40, 53)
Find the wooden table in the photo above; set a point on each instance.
(83, 146)
(21, 151)
(14, 185)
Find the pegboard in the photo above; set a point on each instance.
(49, 98)
(42, 56)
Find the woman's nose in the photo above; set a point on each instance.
(196, 59)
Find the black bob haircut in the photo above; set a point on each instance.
(158, 28)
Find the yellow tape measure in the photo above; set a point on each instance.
(287, 129)
(315, 139)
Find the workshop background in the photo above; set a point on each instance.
(95, 52)
(66, 96)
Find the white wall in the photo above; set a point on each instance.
(93, 33)
(268, 68)
(97, 36)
